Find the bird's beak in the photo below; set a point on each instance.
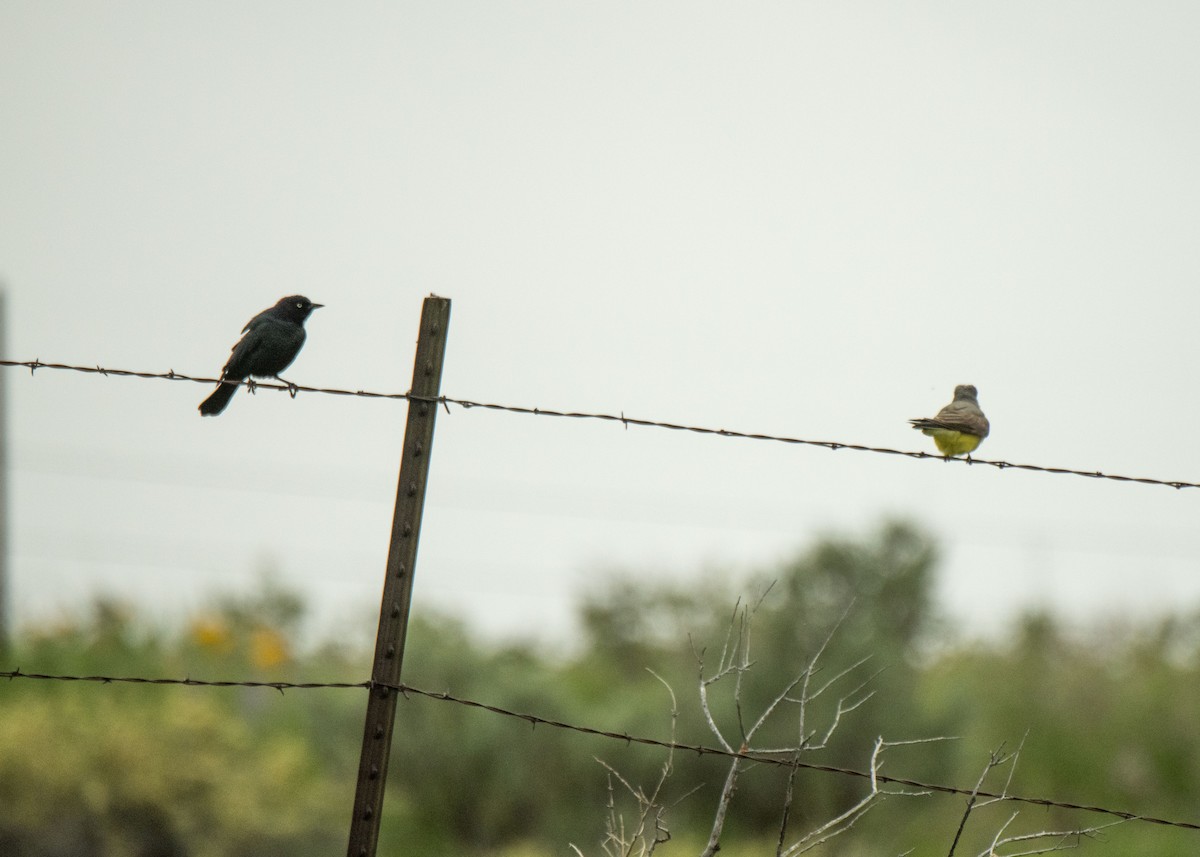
(317, 306)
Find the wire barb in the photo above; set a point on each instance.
(626, 421)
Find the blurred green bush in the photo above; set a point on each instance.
(1105, 716)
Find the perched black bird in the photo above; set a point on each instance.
(271, 342)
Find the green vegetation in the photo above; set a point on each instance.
(128, 770)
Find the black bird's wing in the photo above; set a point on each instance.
(242, 358)
(269, 346)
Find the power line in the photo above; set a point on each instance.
(535, 720)
(466, 404)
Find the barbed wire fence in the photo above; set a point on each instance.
(622, 737)
(526, 410)
(384, 687)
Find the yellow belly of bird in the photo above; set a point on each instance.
(951, 443)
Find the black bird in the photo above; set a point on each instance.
(271, 342)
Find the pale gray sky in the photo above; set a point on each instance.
(810, 219)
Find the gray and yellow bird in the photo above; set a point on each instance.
(959, 427)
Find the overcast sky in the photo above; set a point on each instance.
(809, 219)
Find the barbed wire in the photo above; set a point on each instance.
(535, 720)
(446, 401)
(172, 375)
(280, 686)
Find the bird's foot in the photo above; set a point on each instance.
(251, 386)
(291, 388)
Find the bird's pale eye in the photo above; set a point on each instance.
(299, 305)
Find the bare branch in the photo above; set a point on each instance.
(708, 718)
(744, 663)
(847, 819)
(1066, 839)
(735, 659)
(837, 719)
(785, 815)
(1014, 756)
(742, 668)
(729, 635)
(840, 823)
(770, 709)
(857, 811)
(809, 671)
(840, 676)
(650, 830)
(996, 758)
(799, 691)
(828, 637)
(714, 836)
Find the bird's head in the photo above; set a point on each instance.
(296, 307)
(966, 391)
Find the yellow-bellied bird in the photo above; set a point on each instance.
(959, 427)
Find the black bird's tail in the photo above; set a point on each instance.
(218, 401)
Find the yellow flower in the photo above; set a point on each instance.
(211, 632)
(268, 648)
